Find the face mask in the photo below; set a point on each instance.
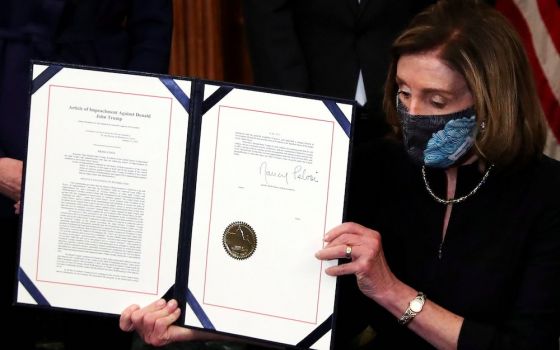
(437, 140)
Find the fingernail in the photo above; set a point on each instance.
(160, 302)
(172, 303)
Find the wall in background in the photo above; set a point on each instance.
(209, 41)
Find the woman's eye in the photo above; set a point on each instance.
(403, 94)
(438, 103)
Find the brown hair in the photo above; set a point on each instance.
(479, 43)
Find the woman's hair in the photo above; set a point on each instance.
(479, 43)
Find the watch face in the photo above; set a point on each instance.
(416, 305)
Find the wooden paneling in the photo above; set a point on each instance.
(209, 41)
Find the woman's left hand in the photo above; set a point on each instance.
(366, 258)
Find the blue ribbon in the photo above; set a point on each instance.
(198, 311)
(45, 76)
(179, 94)
(317, 333)
(339, 116)
(215, 98)
(31, 288)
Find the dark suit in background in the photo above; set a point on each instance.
(320, 46)
(127, 34)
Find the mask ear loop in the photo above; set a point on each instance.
(482, 129)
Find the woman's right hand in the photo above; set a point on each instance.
(154, 323)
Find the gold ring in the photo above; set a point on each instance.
(348, 252)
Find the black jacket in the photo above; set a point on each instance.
(499, 266)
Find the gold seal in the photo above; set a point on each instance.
(240, 240)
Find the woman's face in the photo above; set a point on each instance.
(427, 86)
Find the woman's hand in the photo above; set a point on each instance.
(367, 260)
(154, 323)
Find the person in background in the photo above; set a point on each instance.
(454, 237)
(328, 47)
(124, 34)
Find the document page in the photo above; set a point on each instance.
(271, 179)
(103, 190)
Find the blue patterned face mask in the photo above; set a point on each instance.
(437, 140)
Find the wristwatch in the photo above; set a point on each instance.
(414, 307)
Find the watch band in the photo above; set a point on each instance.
(413, 309)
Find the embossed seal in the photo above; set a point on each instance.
(240, 240)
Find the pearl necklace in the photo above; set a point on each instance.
(454, 200)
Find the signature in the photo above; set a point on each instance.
(303, 174)
(299, 173)
(268, 174)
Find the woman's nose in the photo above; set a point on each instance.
(414, 106)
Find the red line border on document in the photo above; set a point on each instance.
(320, 271)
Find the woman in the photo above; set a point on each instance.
(458, 244)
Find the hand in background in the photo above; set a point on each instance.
(154, 323)
(10, 177)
